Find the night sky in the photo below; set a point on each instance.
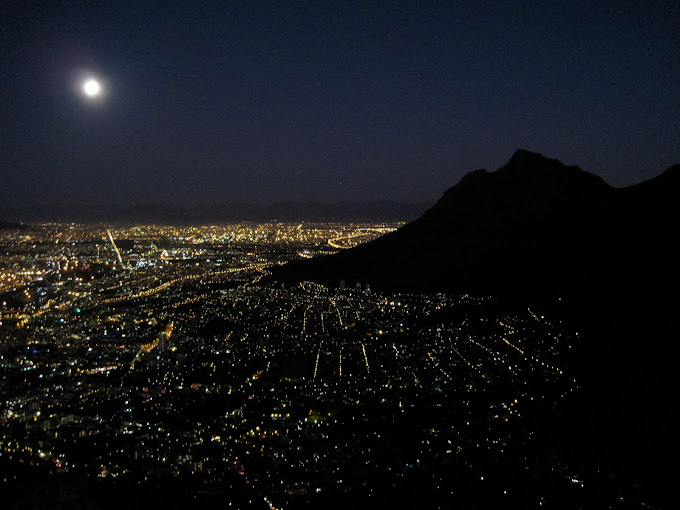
(212, 102)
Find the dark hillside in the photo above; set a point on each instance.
(537, 231)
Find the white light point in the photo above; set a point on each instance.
(92, 88)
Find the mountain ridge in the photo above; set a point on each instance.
(533, 223)
(601, 258)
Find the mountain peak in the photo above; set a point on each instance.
(523, 155)
(533, 224)
(526, 168)
(527, 161)
(527, 178)
(522, 162)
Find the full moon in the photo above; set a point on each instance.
(91, 87)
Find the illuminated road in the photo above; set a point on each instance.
(368, 233)
(115, 248)
(335, 244)
(182, 279)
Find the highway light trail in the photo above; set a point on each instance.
(318, 355)
(334, 242)
(304, 319)
(533, 315)
(115, 248)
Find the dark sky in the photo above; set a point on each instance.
(272, 101)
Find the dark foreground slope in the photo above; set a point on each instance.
(537, 230)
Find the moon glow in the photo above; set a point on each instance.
(91, 87)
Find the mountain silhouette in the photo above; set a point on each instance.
(534, 225)
(539, 232)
